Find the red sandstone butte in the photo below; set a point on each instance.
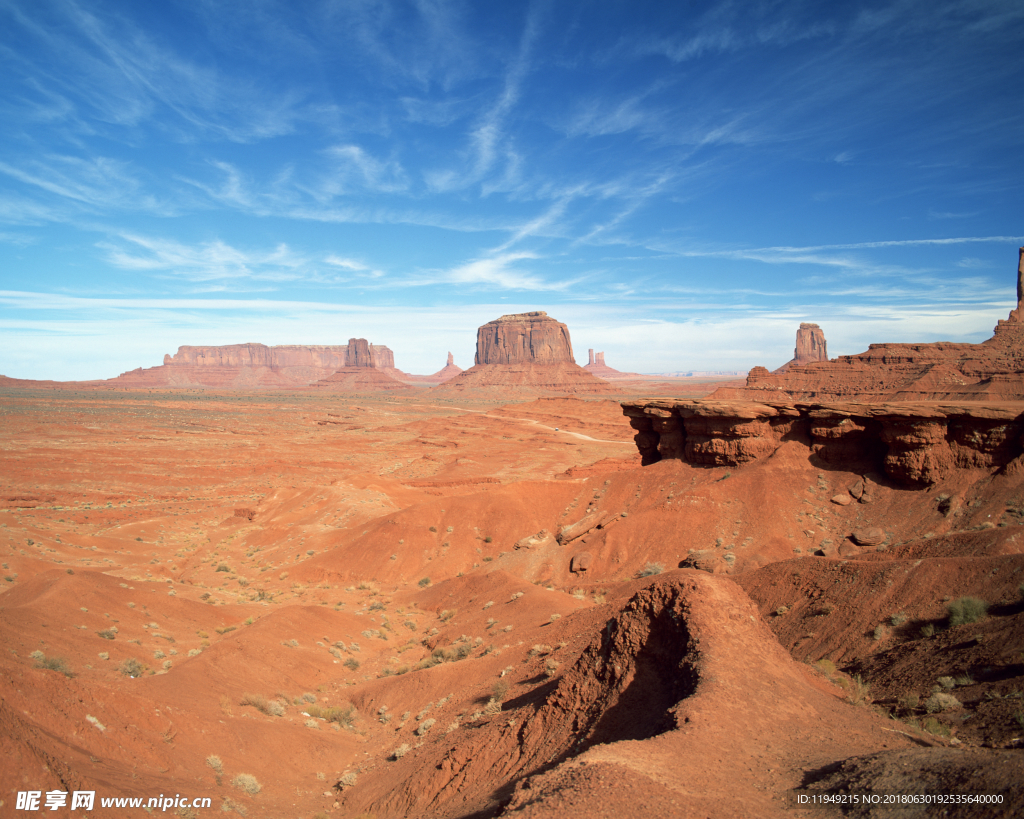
(810, 346)
(596, 366)
(361, 373)
(525, 352)
(942, 371)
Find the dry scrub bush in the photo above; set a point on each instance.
(425, 726)
(272, 708)
(652, 568)
(341, 715)
(400, 751)
(131, 667)
(966, 610)
(348, 779)
(58, 664)
(248, 783)
(214, 762)
(940, 701)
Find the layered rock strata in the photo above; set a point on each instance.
(523, 338)
(943, 371)
(525, 353)
(915, 444)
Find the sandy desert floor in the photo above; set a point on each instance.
(309, 605)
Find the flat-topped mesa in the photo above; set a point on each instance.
(526, 353)
(524, 338)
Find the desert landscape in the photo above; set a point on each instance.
(524, 591)
(430, 409)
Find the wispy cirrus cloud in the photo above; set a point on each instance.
(209, 261)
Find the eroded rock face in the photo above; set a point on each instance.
(524, 338)
(358, 353)
(913, 444)
(810, 344)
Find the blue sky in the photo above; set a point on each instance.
(681, 183)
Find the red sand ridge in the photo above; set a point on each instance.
(526, 353)
(943, 371)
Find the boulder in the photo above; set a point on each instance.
(871, 536)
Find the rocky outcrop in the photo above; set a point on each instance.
(524, 338)
(914, 444)
(525, 353)
(943, 371)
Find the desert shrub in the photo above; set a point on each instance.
(898, 619)
(352, 664)
(556, 616)
(131, 667)
(927, 630)
(214, 762)
(258, 701)
(650, 569)
(946, 682)
(550, 667)
(223, 567)
(446, 615)
(857, 690)
(910, 701)
(275, 708)
(488, 539)
(964, 679)
(826, 666)
(58, 664)
(425, 726)
(966, 610)
(308, 697)
(248, 783)
(344, 716)
(348, 779)
(424, 582)
(880, 632)
(400, 751)
(940, 701)
(108, 633)
(933, 726)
